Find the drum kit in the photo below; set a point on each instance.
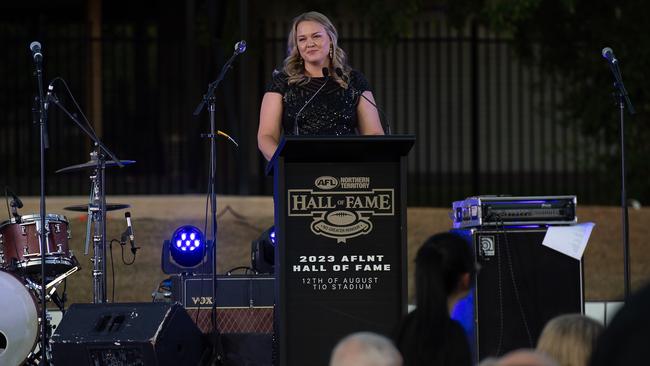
(21, 264)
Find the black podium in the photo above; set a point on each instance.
(340, 258)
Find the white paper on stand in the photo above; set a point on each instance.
(569, 240)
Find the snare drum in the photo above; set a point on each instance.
(20, 249)
(18, 320)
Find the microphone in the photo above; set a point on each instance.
(326, 74)
(608, 54)
(340, 74)
(129, 233)
(15, 204)
(35, 47)
(15, 201)
(240, 47)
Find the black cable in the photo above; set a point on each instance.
(123, 260)
(205, 248)
(7, 201)
(516, 289)
(113, 267)
(499, 285)
(90, 127)
(246, 268)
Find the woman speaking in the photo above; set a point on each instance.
(316, 92)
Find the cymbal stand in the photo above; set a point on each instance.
(97, 205)
(97, 219)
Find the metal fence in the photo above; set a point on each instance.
(485, 123)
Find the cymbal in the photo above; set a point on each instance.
(92, 164)
(109, 207)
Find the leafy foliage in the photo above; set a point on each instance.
(565, 38)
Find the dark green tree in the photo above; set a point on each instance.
(565, 38)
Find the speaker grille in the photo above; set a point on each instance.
(520, 286)
(235, 320)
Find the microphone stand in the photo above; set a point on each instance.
(623, 99)
(210, 100)
(42, 230)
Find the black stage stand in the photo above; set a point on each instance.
(622, 99)
(209, 99)
(35, 47)
(43, 102)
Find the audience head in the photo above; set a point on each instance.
(365, 349)
(520, 357)
(570, 339)
(625, 340)
(444, 268)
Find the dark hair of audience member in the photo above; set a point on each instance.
(625, 340)
(440, 264)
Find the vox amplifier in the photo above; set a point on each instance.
(244, 303)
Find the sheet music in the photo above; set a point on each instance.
(570, 240)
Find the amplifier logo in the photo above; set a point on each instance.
(339, 213)
(486, 248)
(202, 300)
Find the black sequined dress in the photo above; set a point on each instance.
(332, 112)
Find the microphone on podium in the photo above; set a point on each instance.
(340, 74)
(326, 74)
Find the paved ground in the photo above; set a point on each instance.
(242, 219)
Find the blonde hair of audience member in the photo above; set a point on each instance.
(570, 339)
(365, 349)
(520, 357)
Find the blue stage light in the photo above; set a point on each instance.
(263, 251)
(189, 246)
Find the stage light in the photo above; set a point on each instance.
(186, 252)
(189, 246)
(263, 251)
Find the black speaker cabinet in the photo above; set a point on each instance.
(127, 334)
(521, 284)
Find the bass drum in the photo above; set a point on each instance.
(18, 320)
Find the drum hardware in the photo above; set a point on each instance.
(62, 277)
(21, 245)
(50, 289)
(96, 210)
(85, 208)
(92, 164)
(55, 282)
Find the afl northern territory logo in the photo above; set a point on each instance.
(326, 182)
(337, 212)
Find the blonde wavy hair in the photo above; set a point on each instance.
(570, 339)
(293, 63)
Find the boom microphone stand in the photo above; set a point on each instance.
(35, 47)
(623, 99)
(209, 99)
